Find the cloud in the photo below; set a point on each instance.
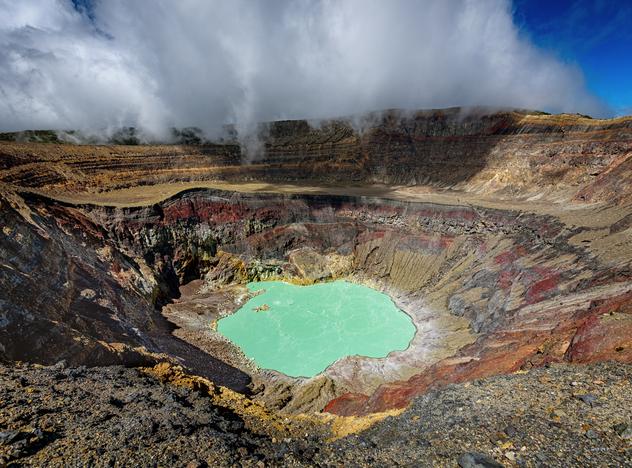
(159, 63)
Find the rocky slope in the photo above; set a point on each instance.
(505, 236)
(557, 416)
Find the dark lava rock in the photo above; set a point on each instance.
(588, 399)
(120, 417)
(623, 430)
(9, 437)
(510, 431)
(477, 460)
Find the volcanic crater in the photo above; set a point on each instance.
(505, 236)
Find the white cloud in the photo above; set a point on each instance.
(158, 63)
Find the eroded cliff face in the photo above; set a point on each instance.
(525, 259)
(65, 293)
(71, 293)
(507, 154)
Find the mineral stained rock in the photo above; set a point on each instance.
(506, 236)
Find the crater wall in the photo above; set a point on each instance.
(508, 154)
(506, 237)
(491, 291)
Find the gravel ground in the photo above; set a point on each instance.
(556, 416)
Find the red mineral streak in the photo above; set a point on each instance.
(602, 331)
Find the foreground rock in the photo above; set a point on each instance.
(118, 416)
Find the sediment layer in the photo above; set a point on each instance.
(502, 153)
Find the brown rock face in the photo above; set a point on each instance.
(509, 247)
(508, 153)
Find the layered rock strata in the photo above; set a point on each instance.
(508, 154)
(489, 290)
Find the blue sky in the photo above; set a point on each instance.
(595, 35)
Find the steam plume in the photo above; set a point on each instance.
(155, 64)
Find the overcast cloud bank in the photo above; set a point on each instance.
(155, 64)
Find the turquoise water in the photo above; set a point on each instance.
(307, 328)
